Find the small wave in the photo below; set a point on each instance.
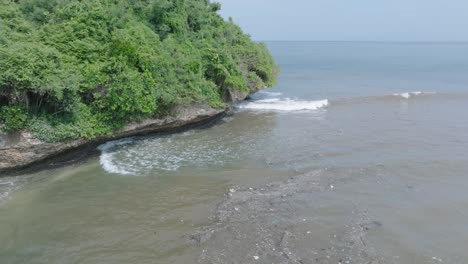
(264, 95)
(408, 95)
(165, 154)
(7, 186)
(142, 157)
(107, 157)
(270, 93)
(276, 104)
(4, 195)
(396, 97)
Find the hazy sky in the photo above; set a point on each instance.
(372, 20)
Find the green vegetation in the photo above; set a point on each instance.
(77, 69)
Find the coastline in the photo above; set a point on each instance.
(28, 153)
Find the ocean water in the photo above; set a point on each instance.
(358, 155)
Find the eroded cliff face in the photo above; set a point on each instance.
(21, 150)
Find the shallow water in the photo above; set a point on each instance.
(359, 155)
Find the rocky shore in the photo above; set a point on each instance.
(22, 150)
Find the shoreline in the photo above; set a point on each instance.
(28, 157)
(28, 154)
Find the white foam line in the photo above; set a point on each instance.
(8, 186)
(7, 183)
(270, 93)
(283, 105)
(408, 95)
(106, 158)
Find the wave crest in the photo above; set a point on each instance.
(276, 104)
(107, 157)
(408, 95)
(8, 186)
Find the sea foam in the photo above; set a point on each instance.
(269, 93)
(408, 95)
(142, 157)
(107, 157)
(7, 186)
(287, 104)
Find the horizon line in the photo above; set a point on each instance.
(372, 41)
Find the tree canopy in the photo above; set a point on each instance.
(71, 68)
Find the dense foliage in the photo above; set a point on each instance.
(72, 68)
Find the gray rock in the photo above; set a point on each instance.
(22, 150)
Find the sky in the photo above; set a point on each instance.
(350, 20)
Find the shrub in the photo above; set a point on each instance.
(13, 118)
(78, 69)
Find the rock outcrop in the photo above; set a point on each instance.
(22, 150)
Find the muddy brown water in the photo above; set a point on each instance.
(358, 156)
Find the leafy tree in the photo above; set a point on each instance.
(71, 68)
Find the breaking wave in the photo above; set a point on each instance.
(271, 101)
(144, 156)
(287, 104)
(193, 149)
(408, 95)
(108, 151)
(7, 186)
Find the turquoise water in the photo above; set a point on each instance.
(359, 154)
